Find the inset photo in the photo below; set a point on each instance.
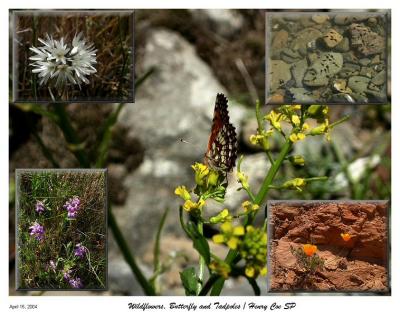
(327, 57)
(61, 229)
(72, 55)
(328, 246)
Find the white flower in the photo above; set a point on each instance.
(61, 64)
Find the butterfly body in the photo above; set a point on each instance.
(222, 144)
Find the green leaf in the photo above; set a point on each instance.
(199, 242)
(189, 281)
(105, 134)
(36, 108)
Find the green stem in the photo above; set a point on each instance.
(156, 251)
(45, 150)
(129, 258)
(272, 172)
(70, 136)
(259, 118)
(254, 285)
(202, 263)
(233, 256)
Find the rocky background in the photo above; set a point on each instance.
(358, 265)
(327, 57)
(196, 54)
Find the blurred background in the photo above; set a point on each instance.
(193, 55)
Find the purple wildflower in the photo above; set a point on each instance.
(80, 251)
(67, 275)
(37, 231)
(75, 283)
(39, 207)
(72, 206)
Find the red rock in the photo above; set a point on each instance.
(356, 265)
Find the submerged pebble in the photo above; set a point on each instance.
(327, 57)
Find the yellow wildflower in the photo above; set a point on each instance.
(296, 183)
(274, 118)
(295, 120)
(182, 192)
(243, 179)
(191, 206)
(221, 268)
(223, 216)
(201, 171)
(229, 235)
(294, 137)
(249, 207)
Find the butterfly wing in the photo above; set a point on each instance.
(222, 145)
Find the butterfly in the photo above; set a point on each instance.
(222, 144)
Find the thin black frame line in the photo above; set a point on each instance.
(268, 216)
(12, 16)
(18, 173)
(386, 13)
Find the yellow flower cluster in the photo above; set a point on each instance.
(262, 139)
(252, 246)
(296, 183)
(249, 207)
(300, 128)
(221, 268)
(229, 235)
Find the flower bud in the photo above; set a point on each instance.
(297, 160)
(182, 192)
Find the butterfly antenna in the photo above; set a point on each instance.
(189, 143)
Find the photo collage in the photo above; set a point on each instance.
(196, 152)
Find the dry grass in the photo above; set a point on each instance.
(112, 35)
(61, 235)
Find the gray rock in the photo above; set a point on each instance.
(121, 280)
(302, 38)
(298, 70)
(278, 75)
(176, 102)
(367, 72)
(332, 38)
(365, 40)
(360, 98)
(324, 68)
(224, 22)
(375, 60)
(279, 42)
(302, 95)
(380, 78)
(378, 96)
(350, 57)
(364, 61)
(161, 117)
(320, 18)
(343, 46)
(345, 19)
(289, 56)
(344, 98)
(358, 84)
(349, 69)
